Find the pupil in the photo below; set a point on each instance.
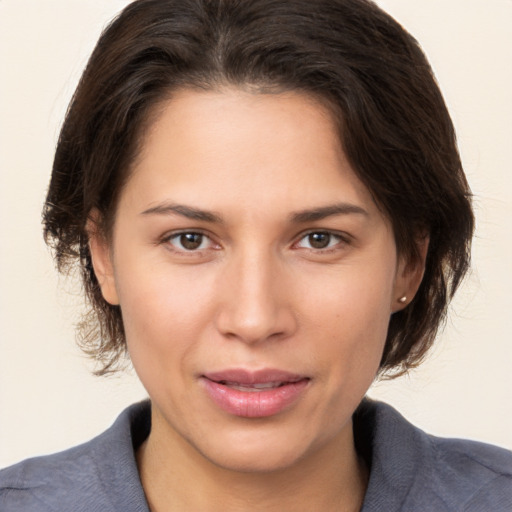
(191, 241)
(319, 240)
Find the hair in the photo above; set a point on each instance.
(394, 128)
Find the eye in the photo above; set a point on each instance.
(319, 240)
(189, 241)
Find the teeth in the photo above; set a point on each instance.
(253, 387)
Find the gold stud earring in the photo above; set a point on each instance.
(402, 300)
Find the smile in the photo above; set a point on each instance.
(253, 388)
(254, 394)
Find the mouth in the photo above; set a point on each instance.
(254, 394)
(254, 388)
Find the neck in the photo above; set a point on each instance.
(176, 477)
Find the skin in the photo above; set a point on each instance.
(255, 294)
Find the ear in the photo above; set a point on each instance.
(101, 256)
(409, 276)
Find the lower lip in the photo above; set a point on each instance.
(254, 404)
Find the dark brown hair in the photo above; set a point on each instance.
(394, 127)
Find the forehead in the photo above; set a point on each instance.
(234, 146)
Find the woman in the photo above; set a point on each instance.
(269, 210)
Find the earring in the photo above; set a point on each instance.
(402, 300)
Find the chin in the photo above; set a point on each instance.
(243, 461)
(257, 451)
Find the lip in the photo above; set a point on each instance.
(268, 391)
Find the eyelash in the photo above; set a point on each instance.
(338, 238)
(178, 236)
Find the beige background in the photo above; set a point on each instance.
(49, 400)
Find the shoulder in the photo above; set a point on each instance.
(42, 483)
(411, 470)
(478, 474)
(87, 477)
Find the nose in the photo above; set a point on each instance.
(256, 302)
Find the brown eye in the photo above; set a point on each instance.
(319, 240)
(191, 241)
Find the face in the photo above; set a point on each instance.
(255, 275)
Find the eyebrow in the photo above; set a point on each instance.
(185, 211)
(323, 212)
(311, 215)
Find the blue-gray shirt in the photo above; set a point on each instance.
(410, 471)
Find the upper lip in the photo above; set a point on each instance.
(246, 377)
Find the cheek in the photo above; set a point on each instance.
(164, 311)
(349, 312)
(358, 296)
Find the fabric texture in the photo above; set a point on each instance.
(410, 471)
